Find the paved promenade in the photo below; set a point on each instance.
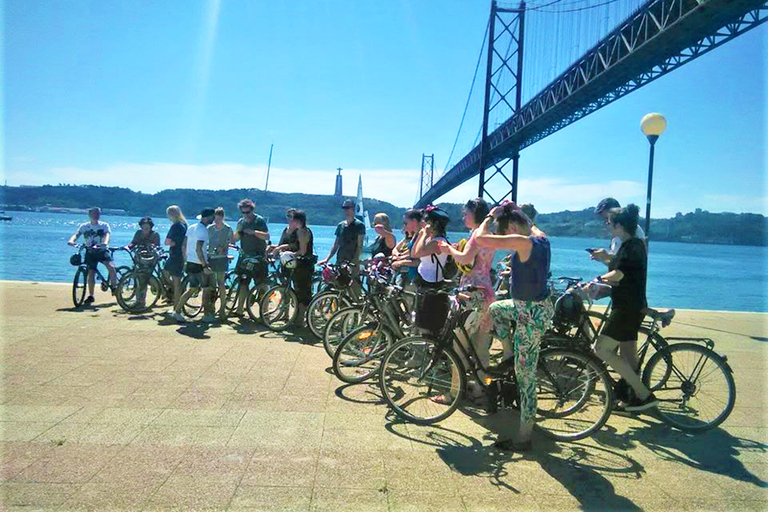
(107, 411)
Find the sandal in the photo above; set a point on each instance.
(442, 399)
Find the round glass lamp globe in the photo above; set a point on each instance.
(653, 124)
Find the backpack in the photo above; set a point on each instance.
(450, 270)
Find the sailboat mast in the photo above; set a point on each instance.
(269, 164)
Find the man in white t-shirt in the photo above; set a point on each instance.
(95, 235)
(197, 267)
(605, 209)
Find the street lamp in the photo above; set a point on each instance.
(652, 126)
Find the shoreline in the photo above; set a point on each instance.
(65, 283)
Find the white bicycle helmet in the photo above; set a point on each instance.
(288, 259)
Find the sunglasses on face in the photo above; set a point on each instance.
(246, 211)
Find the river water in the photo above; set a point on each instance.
(716, 277)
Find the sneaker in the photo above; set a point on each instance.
(621, 391)
(208, 319)
(179, 317)
(89, 300)
(640, 405)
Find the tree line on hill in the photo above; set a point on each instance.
(694, 227)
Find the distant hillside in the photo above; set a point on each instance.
(696, 227)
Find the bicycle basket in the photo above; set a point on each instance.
(146, 257)
(76, 260)
(569, 310)
(337, 276)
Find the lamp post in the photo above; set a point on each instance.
(652, 126)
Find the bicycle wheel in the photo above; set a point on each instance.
(662, 374)
(414, 373)
(322, 308)
(699, 393)
(253, 302)
(121, 271)
(194, 303)
(231, 297)
(341, 324)
(574, 392)
(79, 284)
(358, 357)
(127, 293)
(278, 308)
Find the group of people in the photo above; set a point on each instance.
(423, 259)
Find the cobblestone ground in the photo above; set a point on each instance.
(102, 410)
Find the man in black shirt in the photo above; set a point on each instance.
(350, 234)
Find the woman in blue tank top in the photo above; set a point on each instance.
(529, 306)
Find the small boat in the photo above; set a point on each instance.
(5, 217)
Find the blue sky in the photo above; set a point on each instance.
(152, 95)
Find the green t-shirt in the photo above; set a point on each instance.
(347, 235)
(251, 244)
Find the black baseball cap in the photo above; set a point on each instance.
(146, 220)
(206, 212)
(606, 204)
(348, 204)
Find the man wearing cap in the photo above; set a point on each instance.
(350, 234)
(253, 233)
(605, 209)
(96, 235)
(198, 269)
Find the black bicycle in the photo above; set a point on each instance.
(423, 378)
(80, 282)
(693, 383)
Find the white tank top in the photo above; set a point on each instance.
(428, 268)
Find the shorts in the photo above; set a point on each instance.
(174, 266)
(95, 256)
(623, 325)
(198, 277)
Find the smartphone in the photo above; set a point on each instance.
(590, 250)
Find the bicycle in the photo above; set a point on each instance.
(574, 394)
(255, 271)
(80, 282)
(357, 358)
(690, 398)
(339, 295)
(279, 306)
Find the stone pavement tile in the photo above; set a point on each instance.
(355, 420)
(199, 462)
(141, 462)
(193, 493)
(201, 417)
(437, 436)
(503, 500)
(196, 398)
(69, 464)
(678, 480)
(723, 505)
(18, 455)
(126, 415)
(419, 471)
(371, 438)
(349, 500)
(602, 504)
(179, 435)
(44, 495)
(122, 494)
(271, 499)
(150, 399)
(31, 413)
(295, 404)
(277, 420)
(283, 468)
(93, 433)
(354, 398)
(22, 430)
(84, 414)
(271, 437)
(351, 469)
(411, 501)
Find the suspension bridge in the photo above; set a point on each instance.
(549, 63)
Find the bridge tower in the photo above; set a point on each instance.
(503, 94)
(427, 173)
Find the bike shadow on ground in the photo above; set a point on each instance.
(580, 468)
(90, 308)
(246, 326)
(300, 335)
(195, 330)
(366, 393)
(714, 451)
